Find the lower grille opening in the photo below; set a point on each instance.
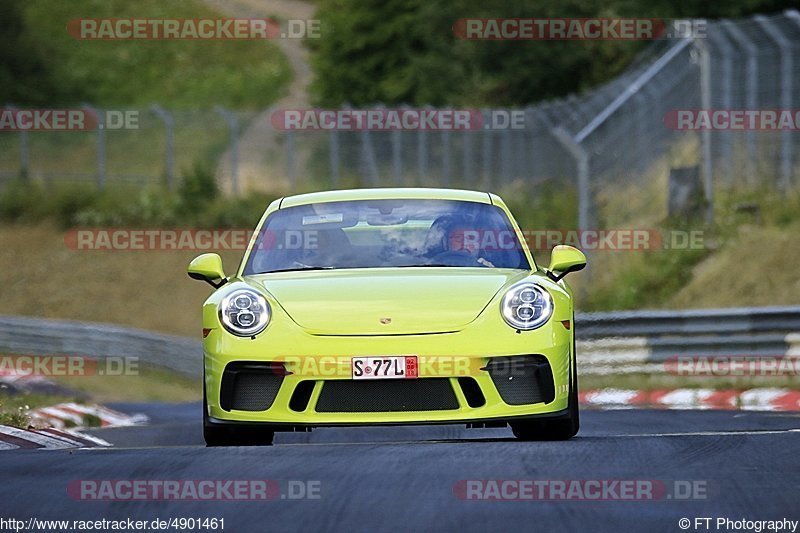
(472, 392)
(390, 395)
(301, 396)
(523, 379)
(250, 386)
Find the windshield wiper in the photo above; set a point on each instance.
(426, 265)
(299, 269)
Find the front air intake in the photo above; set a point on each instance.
(522, 380)
(390, 395)
(250, 386)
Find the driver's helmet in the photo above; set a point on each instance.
(450, 233)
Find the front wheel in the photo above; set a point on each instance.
(233, 435)
(561, 429)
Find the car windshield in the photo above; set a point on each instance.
(386, 233)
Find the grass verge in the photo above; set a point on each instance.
(151, 384)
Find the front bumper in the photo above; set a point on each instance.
(445, 357)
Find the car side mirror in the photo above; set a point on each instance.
(565, 259)
(208, 268)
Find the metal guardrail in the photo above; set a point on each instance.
(718, 322)
(622, 340)
(35, 336)
(660, 335)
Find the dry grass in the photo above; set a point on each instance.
(149, 385)
(757, 267)
(148, 290)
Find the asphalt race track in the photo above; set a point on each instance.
(407, 478)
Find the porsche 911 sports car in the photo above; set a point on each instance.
(385, 307)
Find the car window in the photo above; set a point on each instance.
(387, 233)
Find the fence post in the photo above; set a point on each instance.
(705, 134)
(724, 88)
(233, 126)
(785, 47)
(530, 162)
(546, 162)
(506, 154)
(466, 159)
(101, 145)
(24, 155)
(642, 113)
(290, 158)
(751, 92)
(169, 143)
(368, 158)
(24, 159)
(333, 157)
(582, 163)
(397, 156)
(422, 156)
(486, 151)
(445, 133)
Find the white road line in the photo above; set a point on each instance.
(713, 433)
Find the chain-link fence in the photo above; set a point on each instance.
(615, 144)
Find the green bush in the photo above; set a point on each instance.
(21, 200)
(547, 205)
(196, 203)
(647, 279)
(17, 418)
(198, 189)
(44, 65)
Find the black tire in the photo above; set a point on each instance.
(561, 429)
(234, 435)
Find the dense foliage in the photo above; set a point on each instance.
(405, 51)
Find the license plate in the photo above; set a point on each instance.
(385, 367)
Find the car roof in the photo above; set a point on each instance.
(386, 194)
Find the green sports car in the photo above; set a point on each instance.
(385, 307)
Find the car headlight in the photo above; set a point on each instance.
(244, 312)
(526, 306)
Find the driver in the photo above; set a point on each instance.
(454, 234)
(463, 239)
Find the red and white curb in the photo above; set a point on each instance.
(74, 415)
(49, 427)
(51, 439)
(762, 399)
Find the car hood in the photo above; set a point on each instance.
(387, 301)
